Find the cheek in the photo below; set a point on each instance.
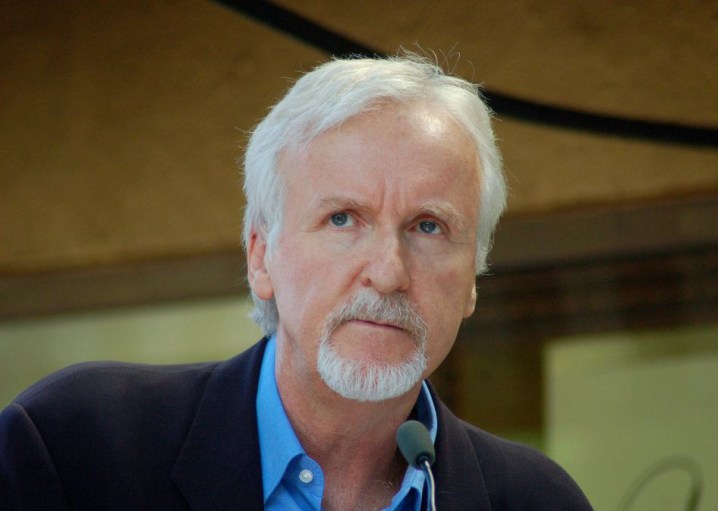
(309, 283)
(447, 289)
(444, 304)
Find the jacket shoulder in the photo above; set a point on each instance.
(483, 471)
(104, 386)
(108, 435)
(519, 477)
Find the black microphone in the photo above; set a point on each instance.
(415, 445)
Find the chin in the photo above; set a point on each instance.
(369, 380)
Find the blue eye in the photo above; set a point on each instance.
(428, 227)
(339, 219)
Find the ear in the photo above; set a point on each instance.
(257, 272)
(470, 302)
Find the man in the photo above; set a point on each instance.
(373, 188)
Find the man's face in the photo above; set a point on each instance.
(388, 202)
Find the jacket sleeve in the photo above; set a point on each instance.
(28, 478)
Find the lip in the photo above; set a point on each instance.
(377, 325)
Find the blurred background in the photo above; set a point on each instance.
(596, 334)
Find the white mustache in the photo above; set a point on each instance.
(395, 310)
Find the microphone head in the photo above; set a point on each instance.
(415, 444)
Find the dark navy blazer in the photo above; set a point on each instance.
(116, 436)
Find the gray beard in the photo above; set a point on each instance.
(377, 380)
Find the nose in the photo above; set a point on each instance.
(386, 268)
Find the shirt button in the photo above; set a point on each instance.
(306, 476)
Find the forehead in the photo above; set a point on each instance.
(394, 158)
(387, 132)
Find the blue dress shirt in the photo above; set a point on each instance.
(291, 479)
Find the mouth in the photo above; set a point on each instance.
(377, 324)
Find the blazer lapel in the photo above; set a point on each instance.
(457, 471)
(219, 466)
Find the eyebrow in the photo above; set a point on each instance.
(339, 203)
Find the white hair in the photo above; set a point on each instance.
(337, 91)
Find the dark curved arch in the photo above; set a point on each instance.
(521, 109)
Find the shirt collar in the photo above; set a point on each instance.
(279, 445)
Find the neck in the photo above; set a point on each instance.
(354, 442)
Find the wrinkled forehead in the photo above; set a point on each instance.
(398, 145)
(430, 114)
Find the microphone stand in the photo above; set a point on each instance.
(430, 484)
